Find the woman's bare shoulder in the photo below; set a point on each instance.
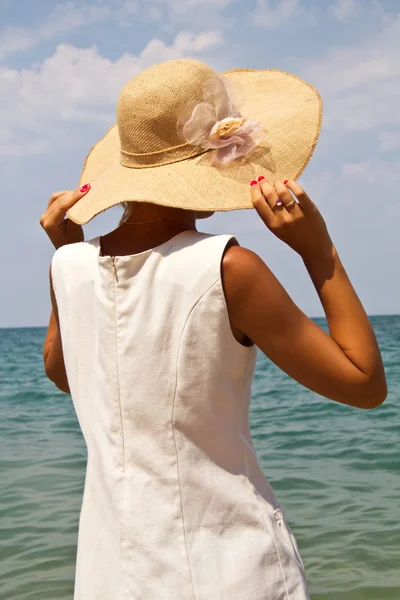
(239, 268)
(238, 265)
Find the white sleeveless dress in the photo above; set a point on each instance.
(175, 505)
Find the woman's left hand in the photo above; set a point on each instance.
(60, 230)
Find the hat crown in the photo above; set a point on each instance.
(149, 105)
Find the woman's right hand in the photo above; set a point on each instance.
(301, 225)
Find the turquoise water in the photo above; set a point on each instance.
(334, 468)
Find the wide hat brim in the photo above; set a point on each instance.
(291, 112)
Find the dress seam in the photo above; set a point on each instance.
(122, 436)
(118, 386)
(173, 432)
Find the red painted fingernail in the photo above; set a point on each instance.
(261, 178)
(286, 180)
(254, 182)
(85, 188)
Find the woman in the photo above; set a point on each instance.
(155, 330)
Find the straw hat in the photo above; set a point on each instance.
(190, 138)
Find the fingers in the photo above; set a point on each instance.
(59, 204)
(305, 201)
(274, 201)
(54, 197)
(260, 204)
(286, 197)
(270, 194)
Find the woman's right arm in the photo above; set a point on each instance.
(346, 365)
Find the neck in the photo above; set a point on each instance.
(144, 212)
(144, 229)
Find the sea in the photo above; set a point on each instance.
(334, 468)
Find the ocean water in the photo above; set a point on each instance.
(335, 469)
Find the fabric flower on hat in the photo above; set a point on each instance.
(217, 124)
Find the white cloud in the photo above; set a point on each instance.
(64, 18)
(185, 43)
(173, 15)
(386, 174)
(75, 85)
(360, 194)
(70, 16)
(271, 15)
(359, 169)
(343, 9)
(360, 84)
(14, 39)
(389, 140)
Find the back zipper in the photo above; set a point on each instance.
(115, 268)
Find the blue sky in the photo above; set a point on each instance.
(62, 67)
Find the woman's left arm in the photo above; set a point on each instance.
(53, 357)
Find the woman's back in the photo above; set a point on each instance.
(175, 503)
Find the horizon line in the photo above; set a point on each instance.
(313, 317)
